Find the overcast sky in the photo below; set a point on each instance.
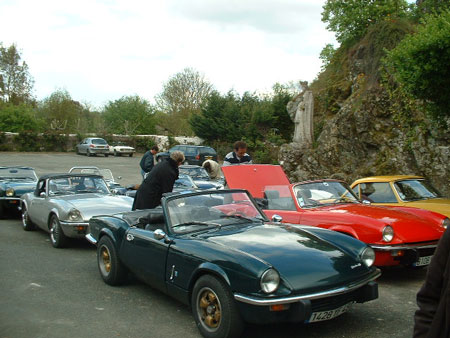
(101, 50)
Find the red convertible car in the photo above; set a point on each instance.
(399, 236)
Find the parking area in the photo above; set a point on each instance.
(47, 292)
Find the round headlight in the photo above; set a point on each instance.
(74, 215)
(388, 233)
(10, 192)
(270, 281)
(368, 256)
(446, 222)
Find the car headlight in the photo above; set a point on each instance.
(74, 215)
(270, 281)
(388, 233)
(10, 192)
(446, 222)
(368, 256)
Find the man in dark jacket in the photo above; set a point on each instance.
(148, 160)
(239, 155)
(432, 320)
(159, 181)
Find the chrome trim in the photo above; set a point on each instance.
(91, 239)
(403, 247)
(84, 224)
(317, 295)
(10, 198)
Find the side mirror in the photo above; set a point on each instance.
(160, 234)
(366, 202)
(277, 218)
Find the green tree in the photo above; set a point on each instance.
(16, 83)
(326, 55)
(129, 115)
(350, 19)
(182, 96)
(421, 63)
(19, 118)
(60, 112)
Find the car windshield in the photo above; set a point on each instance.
(77, 185)
(278, 197)
(184, 182)
(323, 193)
(197, 212)
(106, 173)
(17, 173)
(413, 190)
(98, 141)
(195, 172)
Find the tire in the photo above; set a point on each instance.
(131, 155)
(106, 155)
(26, 221)
(78, 151)
(88, 153)
(57, 237)
(214, 309)
(111, 269)
(115, 153)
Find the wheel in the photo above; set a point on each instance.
(26, 221)
(214, 309)
(57, 237)
(115, 153)
(78, 151)
(111, 268)
(88, 153)
(106, 155)
(131, 155)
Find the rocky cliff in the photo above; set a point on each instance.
(358, 133)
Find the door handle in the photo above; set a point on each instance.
(130, 237)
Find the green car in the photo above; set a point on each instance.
(14, 182)
(217, 252)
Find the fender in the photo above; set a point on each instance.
(345, 230)
(205, 268)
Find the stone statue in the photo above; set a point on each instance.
(301, 112)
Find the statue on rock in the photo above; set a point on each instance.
(301, 110)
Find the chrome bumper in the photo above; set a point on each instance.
(69, 229)
(91, 239)
(311, 296)
(428, 245)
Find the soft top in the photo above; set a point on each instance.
(143, 217)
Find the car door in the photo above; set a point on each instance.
(145, 256)
(37, 206)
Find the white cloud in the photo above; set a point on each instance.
(100, 50)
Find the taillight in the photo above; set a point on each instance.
(91, 146)
(197, 157)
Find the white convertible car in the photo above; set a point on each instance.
(63, 204)
(120, 149)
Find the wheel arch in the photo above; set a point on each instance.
(345, 231)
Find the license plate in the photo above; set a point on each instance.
(425, 260)
(326, 315)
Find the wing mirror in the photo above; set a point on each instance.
(277, 218)
(160, 234)
(366, 202)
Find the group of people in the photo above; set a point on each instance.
(159, 179)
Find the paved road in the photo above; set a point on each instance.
(58, 293)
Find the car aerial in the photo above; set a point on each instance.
(107, 175)
(192, 154)
(401, 190)
(200, 176)
(398, 237)
(62, 205)
(216, 251)
(14, 182)
(120, 148)
(92, 146)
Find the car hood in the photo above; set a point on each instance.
(439, 205)
(254, 177)
(20, 187)
(408, 227)
(303, 260)
(98, 204)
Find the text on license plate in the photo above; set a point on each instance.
(325, 315)
(425, 260)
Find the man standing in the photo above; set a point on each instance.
(239, 155)
(159, 181)
(148, 160)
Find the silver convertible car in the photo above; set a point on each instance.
(62, 205)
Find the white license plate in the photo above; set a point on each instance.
(423, 261)
(326, 315)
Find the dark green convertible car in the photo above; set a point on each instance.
(217, 252)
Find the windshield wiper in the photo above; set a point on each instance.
(239, 216)
(196, 223)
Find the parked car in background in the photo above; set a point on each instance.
(62, 205)
(107, 175)
(14, 182)
(217, 252)
(92, 146)
(401, 190)
(120, 148)
(192, 154)
(200, 176)
(398, 237)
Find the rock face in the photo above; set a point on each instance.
(363, 139)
